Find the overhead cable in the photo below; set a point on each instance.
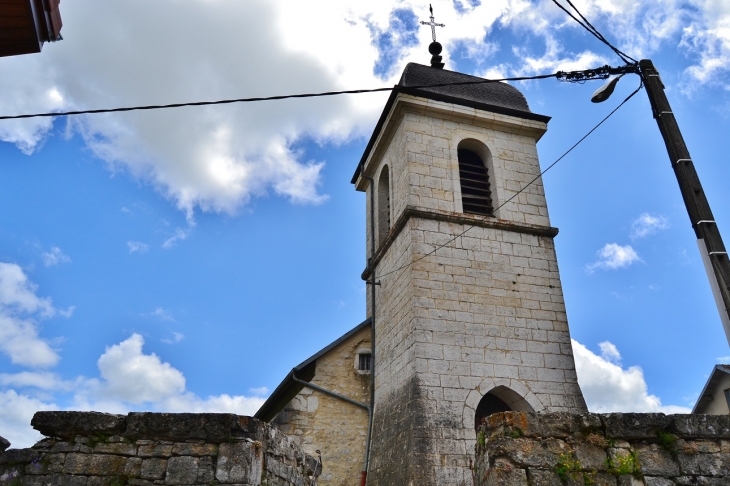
(592, 30)
(271, 98)
(518, 192)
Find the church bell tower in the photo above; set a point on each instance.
(469, 314)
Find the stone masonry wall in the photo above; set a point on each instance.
(338, 429)
(557, 449)
(147, 449)
(484, 313)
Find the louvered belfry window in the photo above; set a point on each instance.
(476, 197)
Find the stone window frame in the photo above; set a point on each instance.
(357, 360)
(382, 228)
(483, 146)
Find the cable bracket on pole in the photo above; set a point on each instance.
(706, 221)
(717, 253)
(372, 282)
(682, 160)
(666, 113)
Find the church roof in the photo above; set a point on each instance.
(500, 95)
(419, 80)
(288, 388)
(706, 396)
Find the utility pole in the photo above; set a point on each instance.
(712, 249)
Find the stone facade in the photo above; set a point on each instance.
(338, 429)
(483, 314)
(557, 449)
(146, 449)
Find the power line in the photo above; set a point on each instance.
(518, 192)
(271, 98)
(590, 28)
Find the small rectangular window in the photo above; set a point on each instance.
(365, 360)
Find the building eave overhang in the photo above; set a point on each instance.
(394, 99)
(706, 397)
(288, 388)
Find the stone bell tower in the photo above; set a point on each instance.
(478, 325)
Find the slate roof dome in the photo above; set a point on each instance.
(500, 95)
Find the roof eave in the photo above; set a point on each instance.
(304, 371)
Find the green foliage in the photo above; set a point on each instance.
(667, 441)
(625, 464)
(481, 439)
(516, 433)
(589, 478)
(567, 466)
(98, 438)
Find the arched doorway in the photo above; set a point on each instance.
(499, 399)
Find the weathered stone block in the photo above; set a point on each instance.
(206, 470)
(657, 481)
(182, 470)
(49, 464)
(17, 456)
(54, 480)
(527, 452)
(505, 475)
(701, 426)
(194, 449)
(635, 425)
(70, 424)
(240, 462)
(120, 448)
(705, 464)
(94, 464)
(155, 450)
(153, 468)
(212, 427)
(656, 461)
(590, 457)
(10, 472)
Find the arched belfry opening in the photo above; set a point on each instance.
(476, 194)
(499, 399)
(383, 205)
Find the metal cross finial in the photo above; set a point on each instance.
(432, 23)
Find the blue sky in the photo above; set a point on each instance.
(186, 260)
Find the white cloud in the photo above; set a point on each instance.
(613, 256)
(19, 333)
(54, 257)
(162, 314)
(16, 411)
(261, 391)
(607, 387)
(43, 380)
(708, 38)
(137, 247)
(218, 158)
(135, 377)
(646, 225)
(176, 338)
(180, 235)
(609, 352)
(131, 379)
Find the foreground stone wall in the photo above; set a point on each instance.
(145, 449)
(556, 449)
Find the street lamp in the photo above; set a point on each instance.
(709, 241)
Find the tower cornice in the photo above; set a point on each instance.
(457, 218)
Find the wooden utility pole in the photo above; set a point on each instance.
(714, 255)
